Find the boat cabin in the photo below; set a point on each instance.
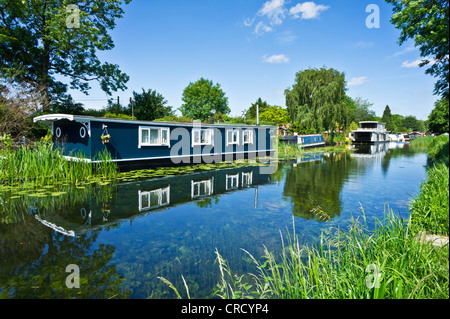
(370, 132)
(132, 143)
(304, 141)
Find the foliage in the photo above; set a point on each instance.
(413, 124)
(17, 103)
(430, 210)
(202, 99)
(251, 112)
(438, 120)
(426, 22)
(150, 105)
(6, 142)
(361, 111)
(275, 114)
(38, 41)
(118, 116)
(387, 118)
(66, 105)
(438, 150)
(315, 101)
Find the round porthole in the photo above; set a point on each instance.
(83, 213)
(58, 132)
(83, 132)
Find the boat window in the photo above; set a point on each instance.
(202, 188)
(247, 179)
(232, 182)
(247, 137)
(153, 199)
(202, 137)
(153, 136)
(232, 137)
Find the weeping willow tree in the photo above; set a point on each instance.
(316, 102)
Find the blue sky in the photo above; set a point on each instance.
(254, 48)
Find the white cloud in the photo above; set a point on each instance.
(249, 22)
(276, 59)
(416, 63)
(408, 49)
(261, 28)
(308, 10)
(357, 81)
(286, 38)
(274, 10)
(363, 45)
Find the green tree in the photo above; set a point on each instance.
(387, 118)
(398, 123)
(362, 112)
(427, 23)
(438, 120)
(315, 100)
(202, 99)
(413, 124)
(43, 39)
(150, 105)
(251, 112)
(66, 105)
(275, 114)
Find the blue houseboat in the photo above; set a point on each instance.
(138, 143)
(304, 141)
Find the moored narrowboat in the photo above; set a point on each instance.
(134, 143)
(304, 141)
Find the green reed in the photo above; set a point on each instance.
(42, 164)
(387, 262)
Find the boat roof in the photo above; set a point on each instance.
(48, 118)
(373, 122)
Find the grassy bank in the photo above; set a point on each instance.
(430, 209)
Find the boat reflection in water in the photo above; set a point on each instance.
(111, 205)
(374, 151)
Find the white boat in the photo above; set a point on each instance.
(397, 138)
(370, 132)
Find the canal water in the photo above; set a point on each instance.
(122, 238)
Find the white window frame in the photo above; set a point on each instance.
(196, 188)
(146, 204)
(160, 132)
(233, 133)
(201, 131)
(251, 136)
(247, 179)
(232, 181)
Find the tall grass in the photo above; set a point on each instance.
(387, 262)
(430, 209)
(41, 164)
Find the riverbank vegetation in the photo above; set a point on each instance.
(387, 262)
(430, 209)
(41, 164)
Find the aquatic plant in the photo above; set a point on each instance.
(42, 164)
